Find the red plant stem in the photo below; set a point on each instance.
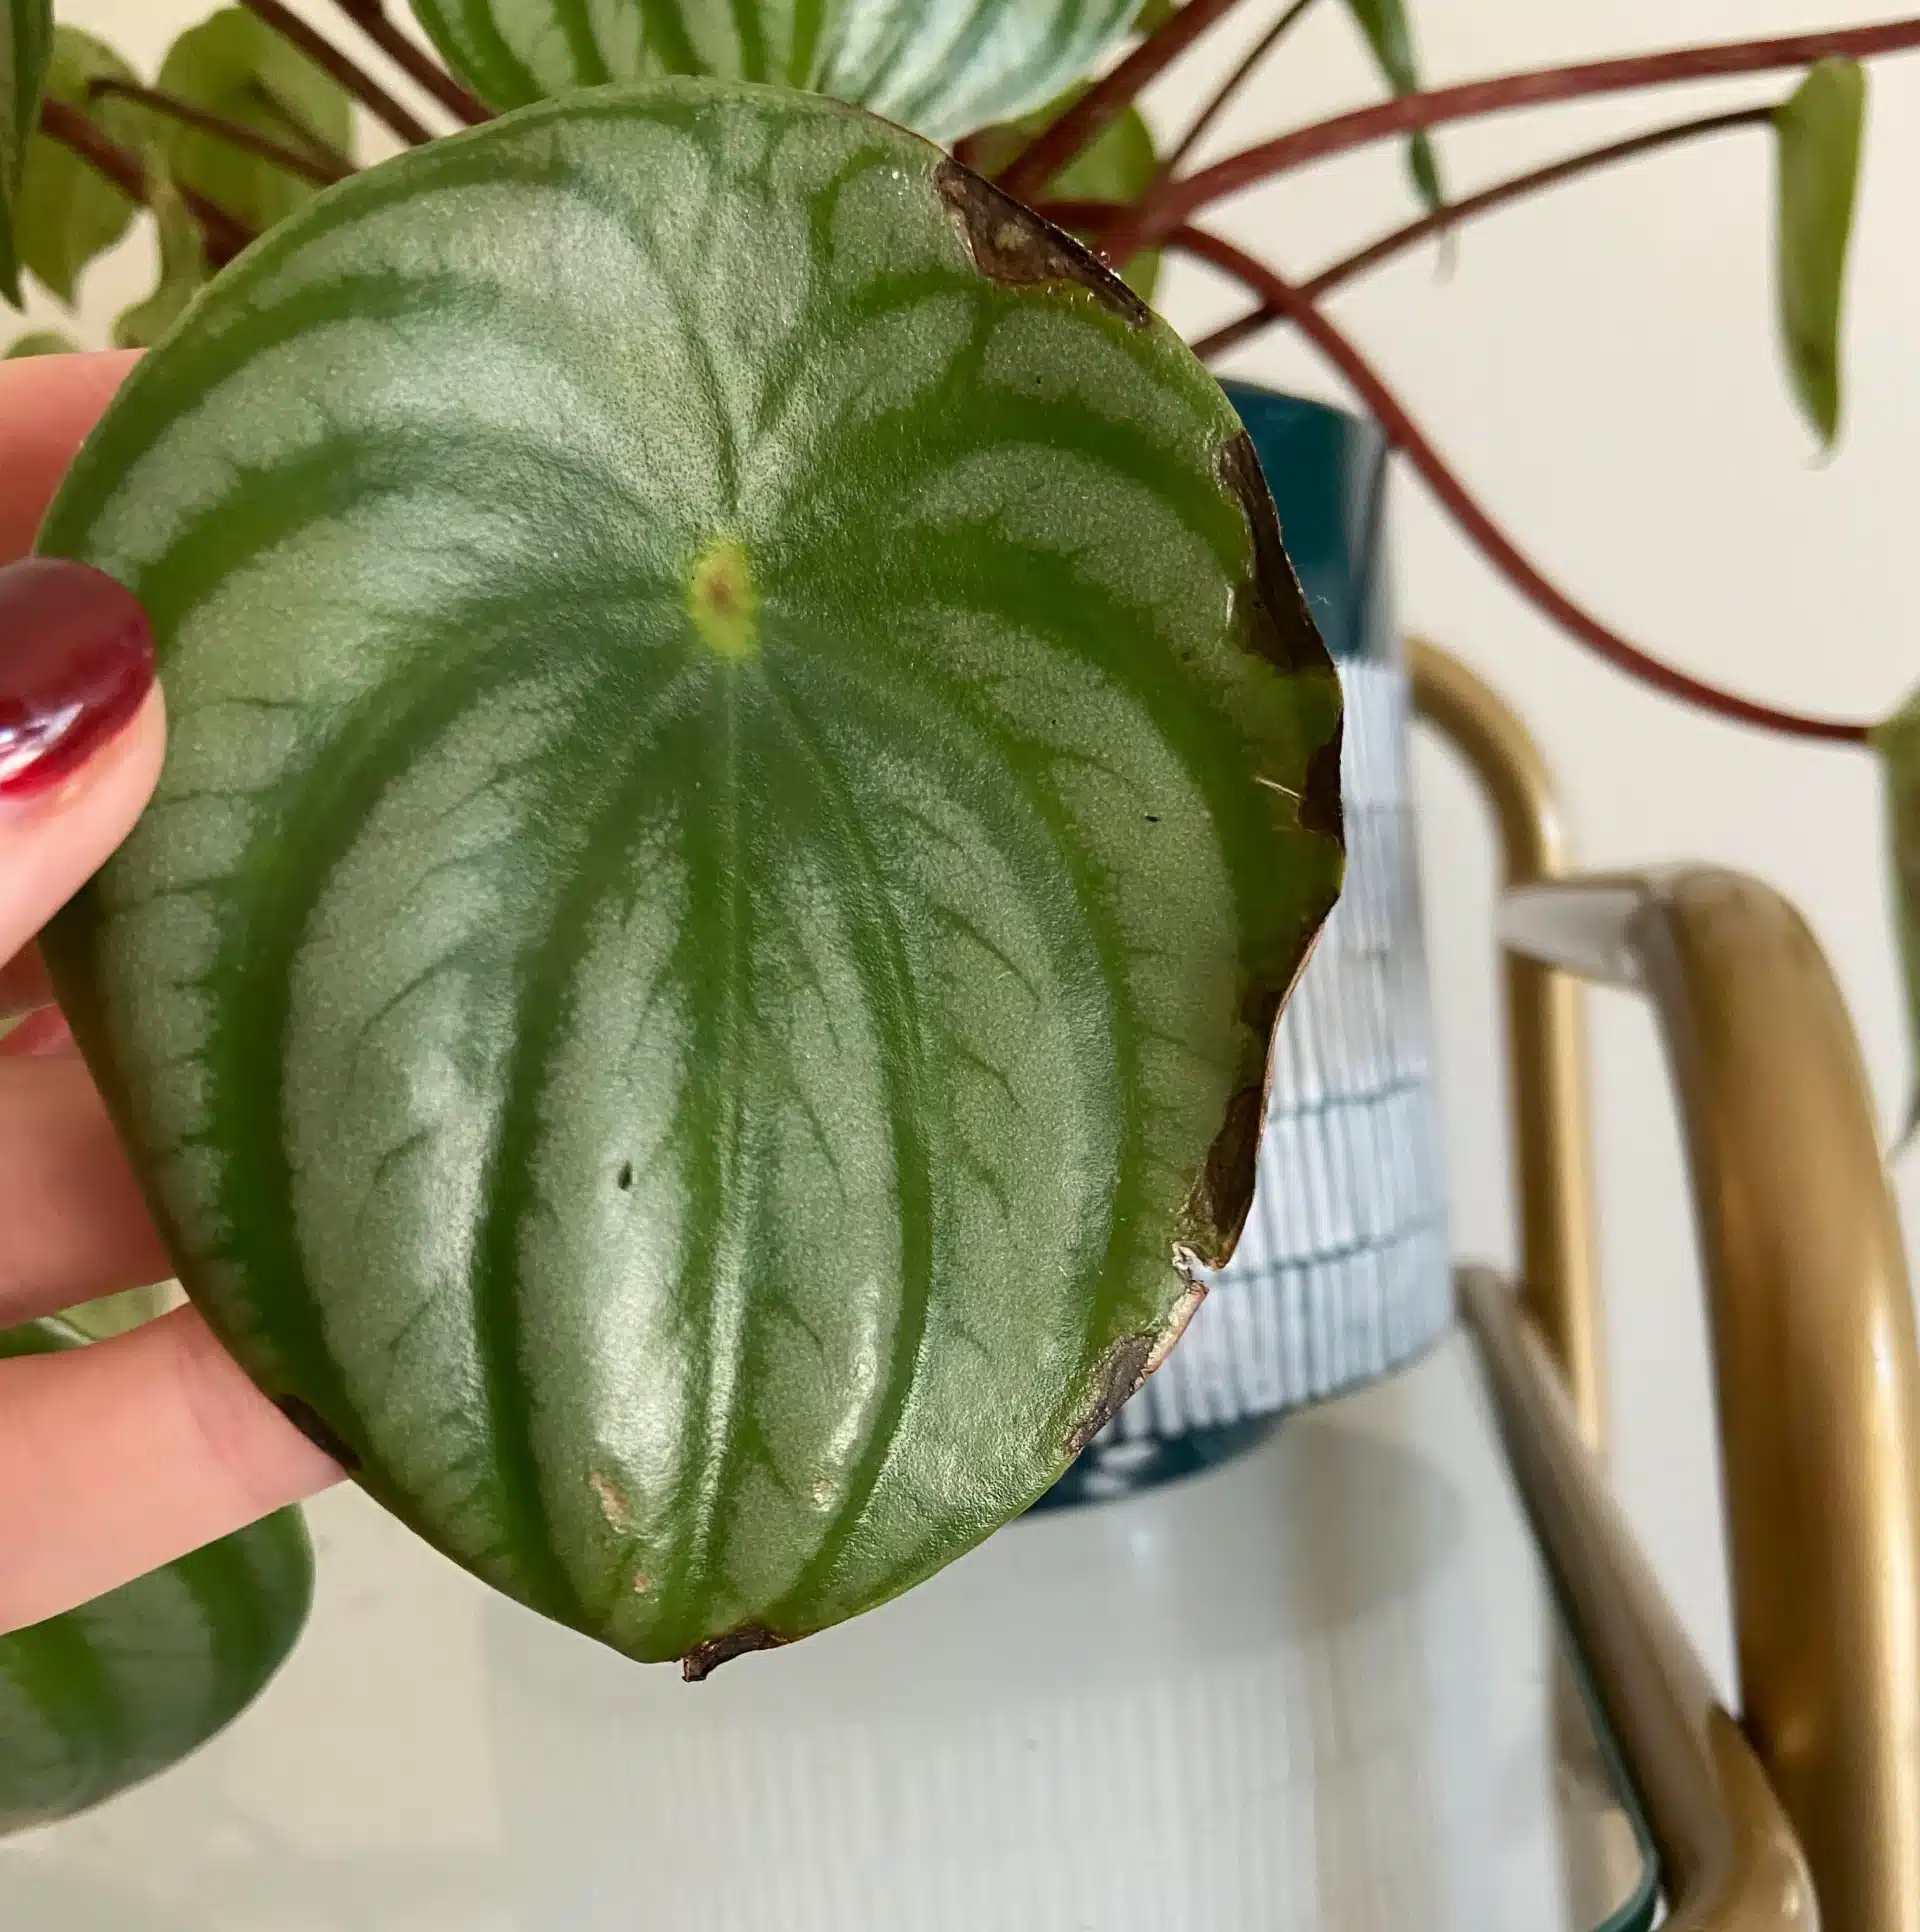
(1028, 173)
(63, 122)
(414, 61)
(307, 166)
(354, 78)
(1488, 199)
(1228, 88)
(1178, 200)
(1493, 543)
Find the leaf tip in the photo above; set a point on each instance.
(707, 1656)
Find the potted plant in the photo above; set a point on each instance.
(750, 770)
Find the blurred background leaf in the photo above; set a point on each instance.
(945, 68)
(67, 211)
(183, 271)
(26, 38)
(1390, 35)
(1818, 164)
(110, 1693)
(39, 342)
(108, 1315)
(235, 66)
(1119, 166)
(1898, 743)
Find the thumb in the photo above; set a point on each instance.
(82, 730)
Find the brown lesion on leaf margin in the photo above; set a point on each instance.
(1009, 243)
(706, 1657)
(1127, 1364)
(1275, 624)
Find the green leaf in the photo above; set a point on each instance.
(1898, 743)
(127, 1685)
(26, 45)
(237, 67)
(1154, 14)
(183, 270)
(944, 67)
(1119, 166)
(1390, 35)
(1818, 152)
(109, 1315)
(68, 212)
(41, 342)
(746, 776)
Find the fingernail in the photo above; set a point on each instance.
(76, 661)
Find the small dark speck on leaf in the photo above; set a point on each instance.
(1153, 818)
(626, 1175)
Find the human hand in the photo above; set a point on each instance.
(120, 1456)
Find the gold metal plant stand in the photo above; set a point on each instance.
(1804, 1809)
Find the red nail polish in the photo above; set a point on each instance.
(76, 660)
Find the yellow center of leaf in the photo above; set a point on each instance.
(722, 599)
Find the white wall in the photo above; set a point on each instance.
(1600, 367)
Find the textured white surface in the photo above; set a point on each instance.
(1305, 1691)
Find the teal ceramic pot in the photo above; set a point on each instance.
(1343, 1272)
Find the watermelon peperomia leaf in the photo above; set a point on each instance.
(119, 1689)
(1118, 165)
(747, 777)
(944, 67)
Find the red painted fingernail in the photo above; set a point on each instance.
(76, 660)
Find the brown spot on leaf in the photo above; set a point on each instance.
(1272, 607)
(705, 1658)
(1221, 1199)
(615, 1505)
(306, 1419)
(1320, 798)
(1122, 1369)
(1009, 243)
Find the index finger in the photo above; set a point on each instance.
(47, 405)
